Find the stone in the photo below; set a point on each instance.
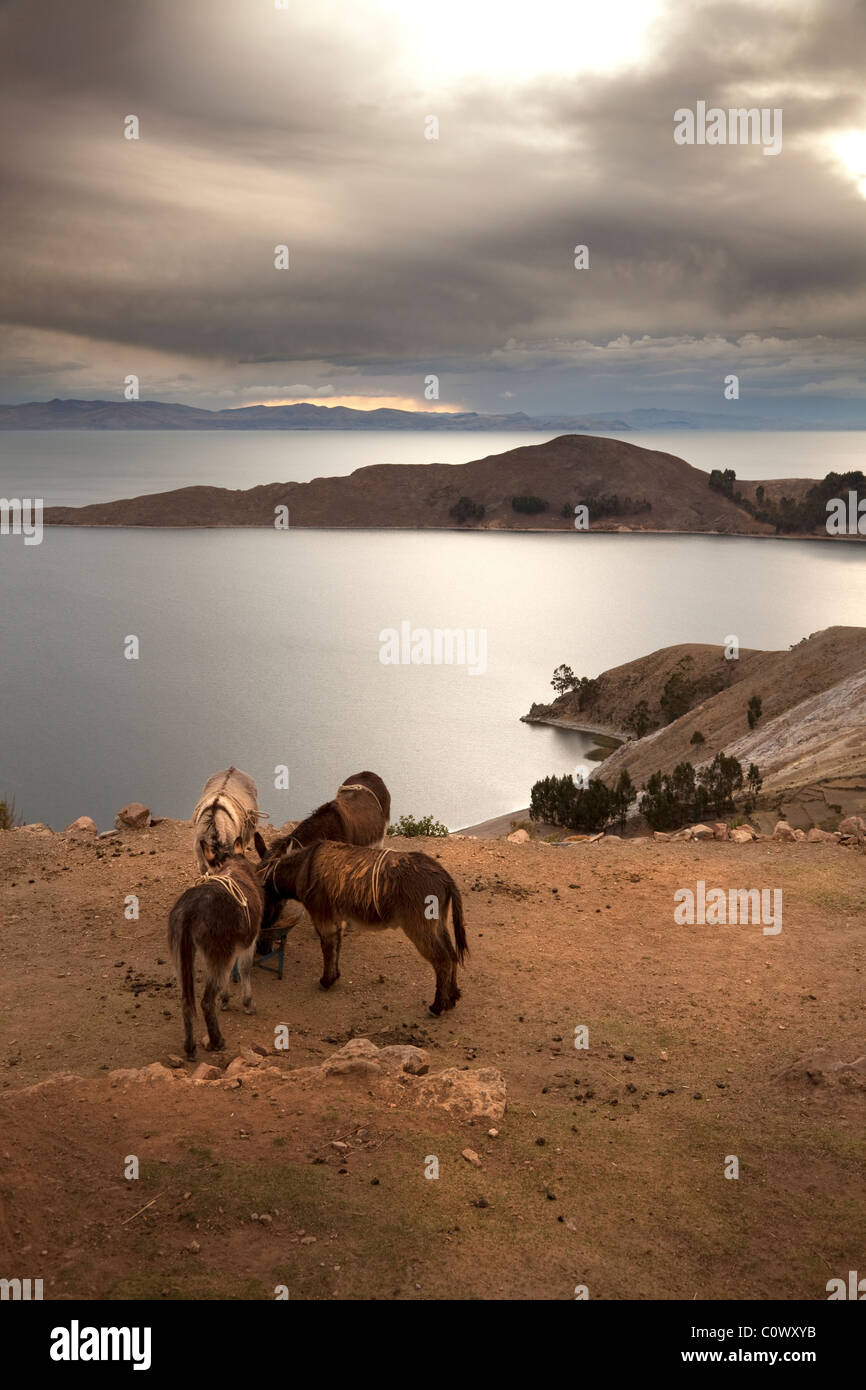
(660, 835)
(404, 1058)
(817, 836)
(742, 835)
(518, 837)
(156, 1072)
(703, 832)
(721, 831)
(852, 825)
(133, 817)
(471, 1157)
(783, 831)
(82, 828)
(800, 836)
(205, 1072)
(237, 1066)
(468, 1094)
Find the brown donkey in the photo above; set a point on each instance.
(219, 916)
(376, 888)
(358, 815)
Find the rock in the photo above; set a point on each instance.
(253, 1058)
(800, 836)
(660, 835)
(262, 1051)
(851, 825)
(828, 1067)
(357, 1047)
(236, 1066)
(574, 839)
(494, 1133)
(682, 834)
(156, 1072)
(83, 828)
(471, 1157)
(205, 1072)
(703, 832)
(122, 1074)
(742, 834)
(413, 1060)
(36, 827)
(174, 1061)
(721, 831)
(340, 1146)
(519, 837)
(817, 837)
(783, 831)
(133, 817)
(467, 1094)
(108, 835)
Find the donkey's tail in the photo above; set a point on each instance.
(457, 922)
(183, 947)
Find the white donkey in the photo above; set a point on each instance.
(227, 810)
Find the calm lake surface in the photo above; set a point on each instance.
(262, 648)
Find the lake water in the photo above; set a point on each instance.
(262, 648)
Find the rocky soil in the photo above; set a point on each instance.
(312, 1168)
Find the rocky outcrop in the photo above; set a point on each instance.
(399, 1074)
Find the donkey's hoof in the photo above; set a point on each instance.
(249, 1008)
(432, 1009)
(326, 984)
(224, 1004)
(218, 1046)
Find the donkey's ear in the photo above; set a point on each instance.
(260, 846)
(238, 846)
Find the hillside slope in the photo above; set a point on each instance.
(564, 471)
(810, 742)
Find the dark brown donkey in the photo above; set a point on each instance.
(219, 916)
(378, 888)
(358, 815)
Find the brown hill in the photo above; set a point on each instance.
(563, 472)
(810, 742)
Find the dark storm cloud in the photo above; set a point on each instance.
(410, 255)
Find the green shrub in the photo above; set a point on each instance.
(529, 505)
(409, 826)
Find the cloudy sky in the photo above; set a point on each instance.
(305, 126)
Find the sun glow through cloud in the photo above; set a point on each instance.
(368, 403)
(850, 148)
(513, 41)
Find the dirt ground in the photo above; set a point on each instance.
(608, 1169)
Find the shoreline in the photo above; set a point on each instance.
(453, 530)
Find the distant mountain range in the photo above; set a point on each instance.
(166, 415)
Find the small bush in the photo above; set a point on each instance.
(529, 505)
(467, 510)
(409, 826)
(9, 817)
(697, 737)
